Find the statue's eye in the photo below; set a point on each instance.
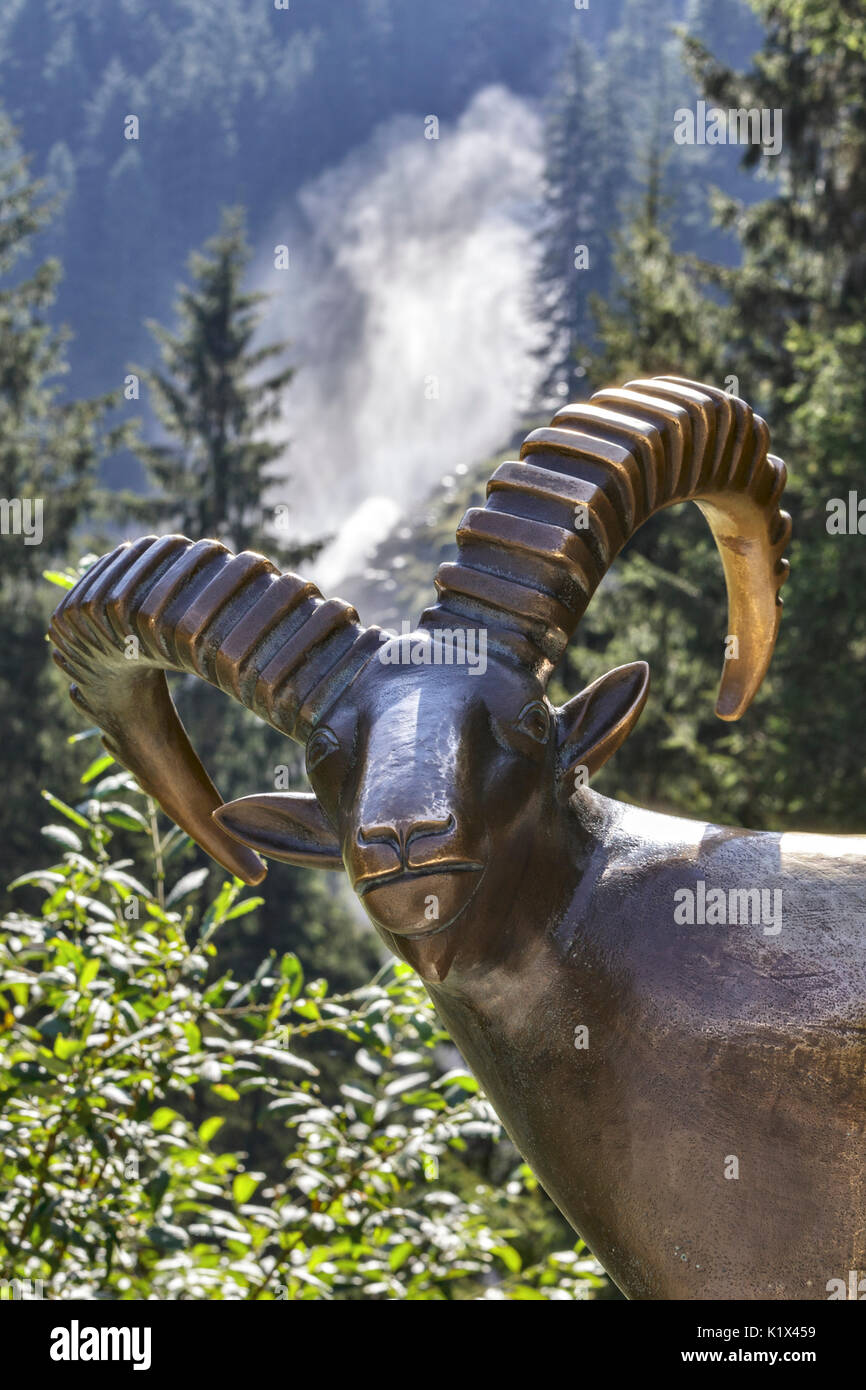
(534, 720)
(320, 745)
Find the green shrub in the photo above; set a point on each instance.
(124, 1049)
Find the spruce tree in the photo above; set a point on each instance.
(49, 455)
(729, 29)
(668, 589)
(785, 328)
(658, 315)
(217, 398)
(573, 219)
(214, 398)
(609, 126)
(799, 344)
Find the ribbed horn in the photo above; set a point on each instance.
(531, 559)
(169, 604)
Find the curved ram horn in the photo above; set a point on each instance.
(526, 571)
(167, 604)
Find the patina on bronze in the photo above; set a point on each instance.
(639, 1059)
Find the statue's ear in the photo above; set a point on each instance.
(593, 725)
(283, 825)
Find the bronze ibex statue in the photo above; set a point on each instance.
(688, 1084)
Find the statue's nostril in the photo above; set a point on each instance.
(429, 828)
(401, 833)
(378, 835)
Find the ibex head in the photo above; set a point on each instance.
(436, 760)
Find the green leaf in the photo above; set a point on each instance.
(61, 579)
(356, 1094)
(248, 905)
(404, 1084)
(84, 733)
(509, 1257)
(227, 1092)
(209, 1128)
(400, 1254)
(157, 1188)
(460, 1078)
(62, 835)
(215, 914)
(163, 1117)
(114, 1093)
(64, 1048)
(126, 817)
(67, 811)
(96, 767)
(89, 973)
(125, 1008)
(44, 878)
(292, 971)
(115, 782)
(166, 1237)
(188, 884)
(273, 1053)
(125, 883)
(243, 1187)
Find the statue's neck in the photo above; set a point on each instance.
(525, 906)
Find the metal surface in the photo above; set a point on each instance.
(691, 1094)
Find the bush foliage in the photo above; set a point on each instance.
(125, 1050)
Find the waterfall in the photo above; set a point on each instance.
(409, 304)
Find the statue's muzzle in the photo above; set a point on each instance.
(420, 903)
(414, 875)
